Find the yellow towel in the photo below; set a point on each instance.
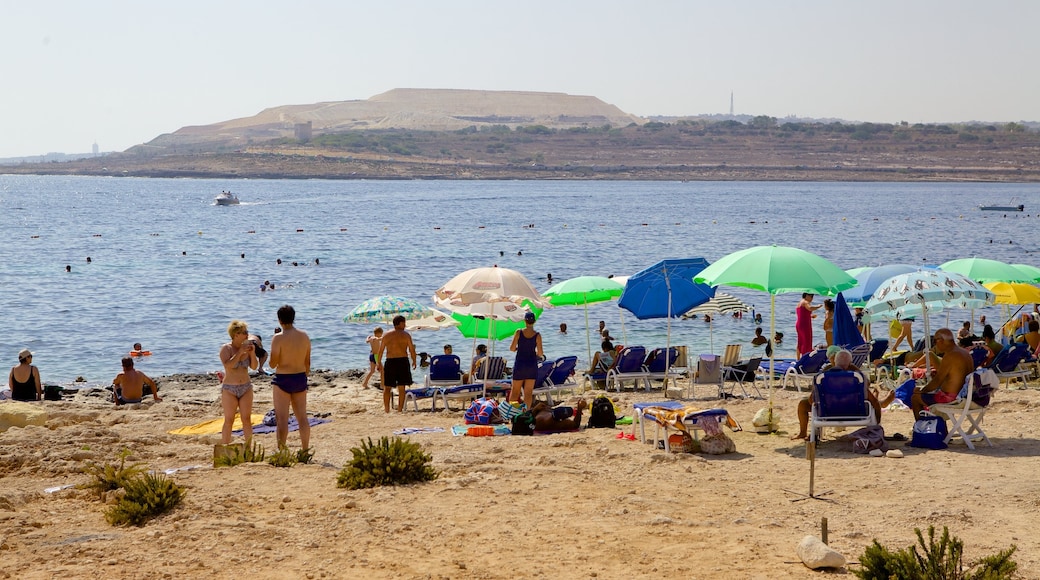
(213, 426)
(674, 417)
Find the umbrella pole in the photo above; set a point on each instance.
(588, 333)
(927, 345)
(772, 353)
(711, 335)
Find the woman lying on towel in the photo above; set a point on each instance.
(546, 419)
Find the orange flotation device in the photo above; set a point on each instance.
(140, 353)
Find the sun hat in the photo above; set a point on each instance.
(529, 317)
(24, 353)
(833, 350)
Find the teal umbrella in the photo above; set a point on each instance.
(776, 270)
(582, 291)
(983, 270)
(385, 308)
(1032, 271)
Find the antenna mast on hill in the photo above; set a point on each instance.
(731, 103)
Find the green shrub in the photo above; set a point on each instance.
(285, 457)
(146, 496)
(941, 560)
(235, 455)
(305, 455)
(109, 477)
(396, 462)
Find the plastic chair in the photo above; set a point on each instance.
(966, 413)
(629, 367)
(839, 400)
(445, 371)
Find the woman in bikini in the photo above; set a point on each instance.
(236, 391)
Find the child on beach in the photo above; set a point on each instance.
(375, 341)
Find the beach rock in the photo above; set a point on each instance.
(762, 421)
(815, 554)
(15, 414)
(876, 453)
(894, 453)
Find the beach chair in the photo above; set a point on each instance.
(745, 374)
(731, 356)
(490, 371)
(415, 395)
(562, 376)
(978, 355)
(465, 393)
(542, 384)
(709, 372)
(1006, 363)
(661, 368)
(839, 400)
(966, 413)
(674, 416)
(628, 367)
(445, 371)
(806, 368)
(878, 348)
(860, 354)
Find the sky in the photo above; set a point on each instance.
(120, 73)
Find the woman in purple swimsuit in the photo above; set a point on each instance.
(236, 390)
(527, 344)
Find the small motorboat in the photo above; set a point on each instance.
(1018, 207)
(226, 198)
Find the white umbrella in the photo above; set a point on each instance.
(489, 285)
(721, 303)
(435, 320)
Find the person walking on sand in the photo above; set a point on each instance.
(394, 353)
(128, 386)
(236, 390)
(375, 342)
(527, 344)
(24, 379)
(291, 362)
(803, 323)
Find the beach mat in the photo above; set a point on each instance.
(213, 426)
(293, 425)
(418, 430)
(460, 430)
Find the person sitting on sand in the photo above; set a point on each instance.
(955, 366)
(374, 341)
(759, 340)
(128, 386)
(603, 360)
(842, 362)
(549, 420)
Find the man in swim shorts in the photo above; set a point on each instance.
(955, 366)
(291, 362)
(393, 366)
(128, 386)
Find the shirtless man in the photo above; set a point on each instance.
(546, 420)
(291, 362)
(393, 357)
(128, 386)
(955, 366)
(375, 342)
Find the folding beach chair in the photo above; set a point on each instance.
(839, 400)
(966, 413)
(709, 372)
(806, 367)
(745, 374)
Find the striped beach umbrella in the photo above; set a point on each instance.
(721, 303)
(385, 308)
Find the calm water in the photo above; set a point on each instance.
(168, 268)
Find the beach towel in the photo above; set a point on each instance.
(418, 430)
(673, 417)
(293, 425)
(460, 430)
(213, 426)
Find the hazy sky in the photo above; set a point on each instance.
(73, 72)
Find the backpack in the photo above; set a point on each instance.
(602, 414)
(480, 412)
(523, 424)
(929, 432)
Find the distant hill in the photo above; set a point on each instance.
(411, 109)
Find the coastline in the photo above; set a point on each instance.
(611, 504)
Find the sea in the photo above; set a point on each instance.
(91, 265)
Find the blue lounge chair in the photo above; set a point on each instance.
(542, 384)
(658, 367)
(839, 400)
(804, 368)
(1006, 363)
(628, 367)
(560, 379)
(445, 371)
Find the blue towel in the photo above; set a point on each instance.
(293, 426)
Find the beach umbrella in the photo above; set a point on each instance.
(776, 270)
(385, 308)
(721, 303)
(1032, 271)
(1014, 292)
(870, 278)
(489, 285)
(985, 270)
(846, 334)
(437, 320)
(490, 320)
(666, 290)
(582, 291)
(924, 291)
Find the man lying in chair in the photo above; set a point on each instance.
(954, 367)
(842, 362)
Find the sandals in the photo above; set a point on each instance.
(896, 437)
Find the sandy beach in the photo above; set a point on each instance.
(571, 505)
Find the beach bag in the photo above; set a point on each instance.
(602, 414)
(929, 432)
(895, 328)
(480, 412)
(715, 442)
(866, 439)
(905, 391)
(508, 410)
(52, 392)
(523, 424)
(682, 443)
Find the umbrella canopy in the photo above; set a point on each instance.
(721, 303)
(869, 279)
(385, 308)
(489, 285)
(486, 327)
(584, 290)
(1032, 271)
(776, 270)
(926, 291)
(434, 321)
(1014, 292)
(984, 270)
(490, 320)
(846, 334)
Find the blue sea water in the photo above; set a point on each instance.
(170, 270)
